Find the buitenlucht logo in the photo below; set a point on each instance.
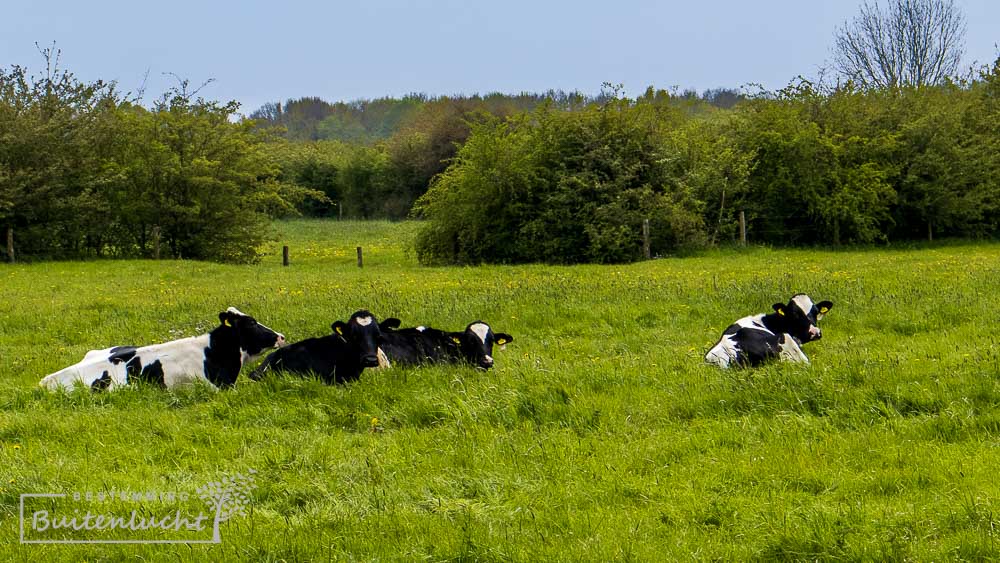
(122, 516)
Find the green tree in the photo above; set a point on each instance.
(201, 181)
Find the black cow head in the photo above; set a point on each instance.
(253, 337)
(361, 331)
(800, 316)
(476, 343)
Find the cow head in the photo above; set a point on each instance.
(362, 332)
(800, 316)
(253, 337)
(476, 343)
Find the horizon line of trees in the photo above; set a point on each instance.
(367, 122)
(900, 148)
(85, 171)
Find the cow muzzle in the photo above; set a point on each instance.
(815, 333)
(369, 361)
(486, 362)
(280, 341)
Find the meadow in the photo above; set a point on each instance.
(599, 435)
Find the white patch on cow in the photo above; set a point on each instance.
(753, 321)
(724, 352)
(804, 303)
(85, 373)
(364, 321)
(480, 330)
(183, 360)
(383, 360)
(236, 311)
(421, 328)
(790, 351)
(97, 354)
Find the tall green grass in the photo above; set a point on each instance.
(599, 434)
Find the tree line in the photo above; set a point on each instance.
(809, 164)
(88, 171)
(899, 148)
(380, 165)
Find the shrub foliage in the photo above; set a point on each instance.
(807, 165)
(85, 171)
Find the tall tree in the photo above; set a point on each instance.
(904, 42)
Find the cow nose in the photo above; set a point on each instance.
(370, 361)
(487, 362)
(815, 333)
(280, 341)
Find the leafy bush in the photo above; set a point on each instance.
(561, 186)
(85, 172)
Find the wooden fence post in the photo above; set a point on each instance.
(743, 229)
(360, 263)
(10, 244)
(645, 239)
(284, 255)
(156, 242)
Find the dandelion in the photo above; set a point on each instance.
(17, 446)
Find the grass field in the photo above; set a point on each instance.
(599, 435)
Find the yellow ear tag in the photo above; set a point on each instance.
(456, 339)
(501, 341)
(824, 310)
(226, 322)
(339, 330)
(781, 312)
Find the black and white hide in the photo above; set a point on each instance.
(753, 340)
(216, 358)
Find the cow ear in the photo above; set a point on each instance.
(502, 338)
(224, 318)
(390, 323)
(779, 308)
(823, 307)
(338, 327)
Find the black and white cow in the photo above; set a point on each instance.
(753, 340)
(335, 358)
(421, 345)
(216, 357)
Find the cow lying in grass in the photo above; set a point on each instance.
(753, 340)
(422, 345)
(216, 357)
(335, 358)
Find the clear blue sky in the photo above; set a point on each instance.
(271, 51)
